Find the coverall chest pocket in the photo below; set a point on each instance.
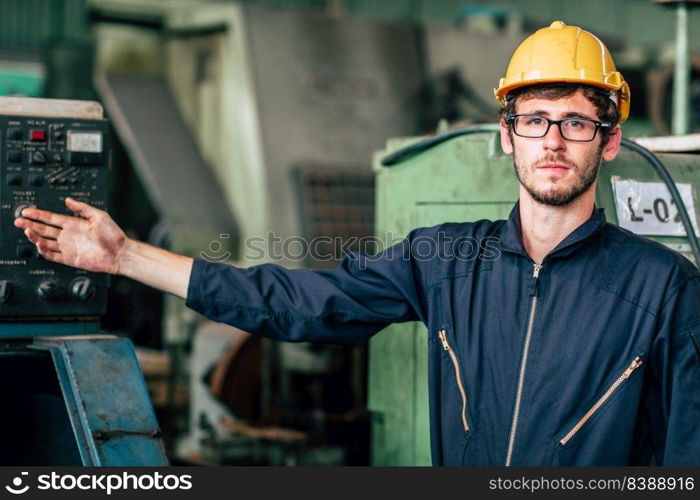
(572, 441)
(456, 424)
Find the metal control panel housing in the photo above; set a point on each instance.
(43, 161)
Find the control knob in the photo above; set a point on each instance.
(20, 207)
(49, 291)
(82, 289)
(5, 291)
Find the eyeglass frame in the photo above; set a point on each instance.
(510, 119)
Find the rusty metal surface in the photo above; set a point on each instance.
(107, 400)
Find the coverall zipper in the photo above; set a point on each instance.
(638, 361)
(523, 365)
(446, 346)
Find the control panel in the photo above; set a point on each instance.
(43, 160)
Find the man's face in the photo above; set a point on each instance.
(552, 170)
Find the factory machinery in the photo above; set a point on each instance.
(71, 394)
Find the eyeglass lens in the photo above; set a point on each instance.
(575, 129)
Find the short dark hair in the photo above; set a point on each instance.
(606, 108)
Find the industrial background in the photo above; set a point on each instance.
(241, 130)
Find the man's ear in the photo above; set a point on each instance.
(506, 144)
(613, 146)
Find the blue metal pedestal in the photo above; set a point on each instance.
(72, 400)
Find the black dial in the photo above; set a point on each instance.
(20, 207)
(49, 291)
(82, 289)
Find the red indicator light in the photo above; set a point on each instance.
(38, 135)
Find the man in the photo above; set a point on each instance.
(578, 345)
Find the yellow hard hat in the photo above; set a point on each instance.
(566, 54)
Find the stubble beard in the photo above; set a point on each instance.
(554, 195)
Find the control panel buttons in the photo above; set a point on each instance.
(14, 156)
(37, 135)
(5, 291)
(49, 291)
(14, 179)
(43, 160)
(36, 180)
(15, 134)
(25, 251)
(82, 289)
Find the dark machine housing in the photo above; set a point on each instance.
(43, 161)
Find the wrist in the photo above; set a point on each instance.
(124, 257)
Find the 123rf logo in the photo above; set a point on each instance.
(101, 482)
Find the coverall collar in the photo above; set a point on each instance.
(511, 237)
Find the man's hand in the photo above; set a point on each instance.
(92, 241)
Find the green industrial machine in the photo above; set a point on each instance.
(466, 178)
(22, 78)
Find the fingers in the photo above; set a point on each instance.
(31, 236)
(49, 249)
(81, 208)
(44, 216)
(59, 220)
(41, 242)
(45, 245)
(43, 230)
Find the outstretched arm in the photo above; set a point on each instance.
(346, 304)
(94, 242)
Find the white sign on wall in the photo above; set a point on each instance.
(647, 208)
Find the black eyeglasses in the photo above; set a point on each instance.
(571, 129)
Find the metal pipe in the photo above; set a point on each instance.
(681, 80)
(662, 172)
